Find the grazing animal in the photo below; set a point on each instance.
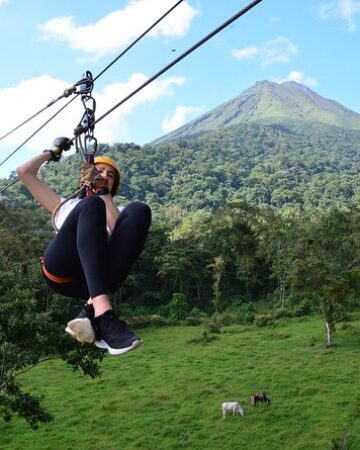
(260, 398)
(232, 406)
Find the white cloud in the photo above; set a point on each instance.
(246, 53)
(181, 115)
(298, 76)
(3, 2)
(39, 91)
(341, 9)
(121, 27)
(278, 50)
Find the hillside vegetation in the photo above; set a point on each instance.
(276, 144)
(301, 166)
(268, 103)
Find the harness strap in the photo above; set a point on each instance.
(52, 277)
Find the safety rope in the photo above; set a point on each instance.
(53, 214)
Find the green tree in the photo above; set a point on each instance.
(28, 333)
(218, 269)
(276, 235)
(326, 261)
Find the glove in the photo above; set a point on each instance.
(90, 176)
(60, 144)
(102, 191)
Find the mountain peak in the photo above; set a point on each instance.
(269, 102)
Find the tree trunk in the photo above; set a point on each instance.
(328, 311)
(329, 333)
(282, 293)
(198, 289)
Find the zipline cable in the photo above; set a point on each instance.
(179, 58)
(25, 122)
(38, 129)
(10, 184)
(72, 89)
(138, 39)
(66, 93)
(155, 76)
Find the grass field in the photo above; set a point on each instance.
(168, 393)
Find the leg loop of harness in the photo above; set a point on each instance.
(52, 277)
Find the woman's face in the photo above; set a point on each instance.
(108, 173)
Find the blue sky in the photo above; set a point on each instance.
(47, 46)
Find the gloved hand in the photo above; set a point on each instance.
(60, 144)
(90, 177)
(102, 191)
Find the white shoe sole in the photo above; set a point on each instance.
(81, 330)
(118, 351)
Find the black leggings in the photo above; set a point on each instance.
(81, 249)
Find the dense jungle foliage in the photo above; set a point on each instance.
(256, 222)
(295, 165)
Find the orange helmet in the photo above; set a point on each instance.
(110, 162)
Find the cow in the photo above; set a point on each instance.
(232, 406)
(260, 398)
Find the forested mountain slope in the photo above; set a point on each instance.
(268, 103)
(305, 160)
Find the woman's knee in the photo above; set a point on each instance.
(139, 212)
(93, 202)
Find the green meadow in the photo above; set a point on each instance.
(167, 394)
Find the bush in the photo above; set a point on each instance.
(196, 313)
(263, 320)
(245, 314)
(195, 317)
(341, 314)
(212, 326)
(304, 308)
(153, 320)
(156, 320)
(179, 307)
(191, 321)
(279, 313)
(224, 319)
(353, 303)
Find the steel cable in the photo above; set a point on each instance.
(37, 130)
(72, 89)
(179, 58)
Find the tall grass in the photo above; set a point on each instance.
(168, 393)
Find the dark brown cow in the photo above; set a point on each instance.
(260, 398)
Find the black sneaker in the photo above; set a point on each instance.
(112, 334)
(81, 327)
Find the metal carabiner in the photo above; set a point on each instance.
(87, 120)
(86, 84)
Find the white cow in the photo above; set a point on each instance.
(232, 406)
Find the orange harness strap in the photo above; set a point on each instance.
(52, 277)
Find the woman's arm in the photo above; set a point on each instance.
(27, 173)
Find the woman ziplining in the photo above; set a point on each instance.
(96, 242)
(94, 249)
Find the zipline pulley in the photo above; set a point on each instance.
(85, 141)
